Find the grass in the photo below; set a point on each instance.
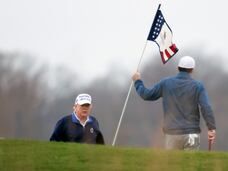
(24, 155)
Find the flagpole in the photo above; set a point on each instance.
(129, 91)
(126, 101)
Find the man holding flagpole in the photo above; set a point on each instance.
(161, 34)
(183, 100)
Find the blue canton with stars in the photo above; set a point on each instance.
(156, 26)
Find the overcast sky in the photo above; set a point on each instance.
(90, 36)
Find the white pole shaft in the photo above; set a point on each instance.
(126, 101)
(141, 56)
(121, 117)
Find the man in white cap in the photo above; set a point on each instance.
(79, 126)
(183, 100)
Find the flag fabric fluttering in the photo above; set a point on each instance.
(161, 33)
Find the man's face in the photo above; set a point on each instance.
(82, 110)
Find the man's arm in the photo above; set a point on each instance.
(153, 93)
(100, 139)
(207, 114)
(58, 131)
(211, 135)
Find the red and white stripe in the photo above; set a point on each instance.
(168, 53)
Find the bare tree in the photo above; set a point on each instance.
(21, 96)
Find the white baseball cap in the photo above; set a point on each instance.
(83, 99)
(187, 62)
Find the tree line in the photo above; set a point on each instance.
(33, 97)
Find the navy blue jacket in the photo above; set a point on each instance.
(183, 100)
(69, 129)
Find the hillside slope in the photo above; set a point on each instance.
(24, 155)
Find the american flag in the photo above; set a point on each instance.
(161, 33)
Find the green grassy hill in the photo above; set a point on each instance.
(21, 155)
